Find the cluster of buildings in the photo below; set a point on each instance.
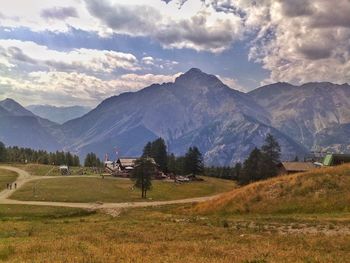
(124, 166)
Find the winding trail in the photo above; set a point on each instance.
(24, 177)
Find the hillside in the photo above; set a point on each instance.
(319, 191)
(20, 127)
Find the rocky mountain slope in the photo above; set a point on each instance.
(307, 112)
(20, 127)
(197, 109)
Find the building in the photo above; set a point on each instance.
(64, 170)
(295, 167)
(334, 159)
(126, 164)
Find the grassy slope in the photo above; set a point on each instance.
(322, 190)
(158, 235)
(114, 190)
(6, 177)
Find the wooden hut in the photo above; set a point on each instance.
(295, 167)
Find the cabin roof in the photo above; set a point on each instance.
(298, 166)
(127, 161)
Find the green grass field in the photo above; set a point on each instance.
(72, 189)
(51, 170)
(6, 177)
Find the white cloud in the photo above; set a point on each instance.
(62, 88)
(194, 25)
(302, 41)
(232, 83)
(98, 61)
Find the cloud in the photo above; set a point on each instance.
(28, 53)
(59, 13)
(232, 83)
(62, 88)
(203, 30)
(300, 41)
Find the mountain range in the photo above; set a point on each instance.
(58, 114)
(196, 109)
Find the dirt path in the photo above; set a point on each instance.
(24, 177)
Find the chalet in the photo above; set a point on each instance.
(126, 164)
(336, 159)
(295, 167)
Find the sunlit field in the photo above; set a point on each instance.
(66, 189)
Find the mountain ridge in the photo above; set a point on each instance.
(198, 109)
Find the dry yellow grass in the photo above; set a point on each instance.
(321, 190)
(158, 235)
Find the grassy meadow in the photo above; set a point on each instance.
(299, 218)
(51, 170)
(6, 177)
(164, 235)
(73, 189)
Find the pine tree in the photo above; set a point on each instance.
(3, 152)
(194, 161)
(251, 168)
(158, 151)
(147, 150)
(142, 175)
(271, 151)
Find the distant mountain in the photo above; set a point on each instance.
(58, 114)
(197, 109)
(20, 127)
(14, 108)
(307, 112)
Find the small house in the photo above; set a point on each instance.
(126, 164)
(295, 167)
(336, 159)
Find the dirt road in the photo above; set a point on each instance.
(24, 177)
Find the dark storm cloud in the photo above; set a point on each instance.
(59, 13)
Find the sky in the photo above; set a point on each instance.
(79, 52)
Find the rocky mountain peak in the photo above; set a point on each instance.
(195, 76)
(15, 108)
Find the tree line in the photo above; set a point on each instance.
(27, 155)
(190, 163)
(260, 164)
